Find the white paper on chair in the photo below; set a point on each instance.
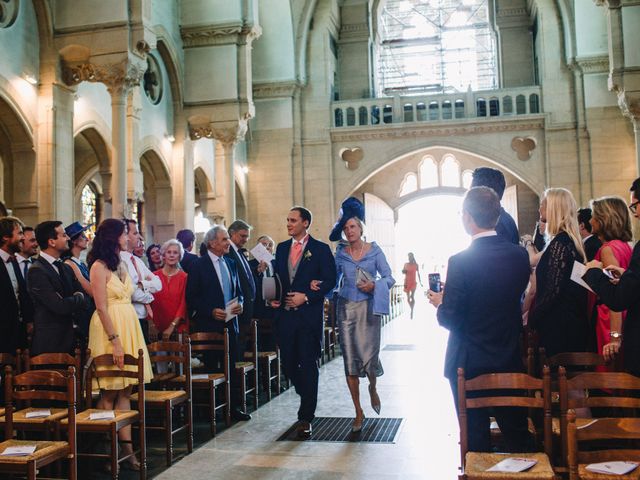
(261, 254)
(105, 415)
(20, 451)
(229, 308)
(513, 464)
(200, 376)
(38, 413)
(612, 468)
(577, 272)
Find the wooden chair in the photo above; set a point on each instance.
(615, 439)
(330, 334)
(209, 383)
(165, 402)
(13, 361)
(58, 362)
(40, 385)
(242, 370)
(525, 391)
(267, 358)
(571, 361)
(122, 418)
(623, 396)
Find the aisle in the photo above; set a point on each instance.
(412, 388)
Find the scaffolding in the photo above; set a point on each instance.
(436, 46)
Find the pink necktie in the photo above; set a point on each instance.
(296, 252)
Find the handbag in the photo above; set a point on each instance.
(363, 276)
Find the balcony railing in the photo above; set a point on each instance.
(435, 108)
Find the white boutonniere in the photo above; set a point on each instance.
(307, 255)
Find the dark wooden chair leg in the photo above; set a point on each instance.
(169, 432)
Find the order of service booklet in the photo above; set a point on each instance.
(513, 464)
(612, 468)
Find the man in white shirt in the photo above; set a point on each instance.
(146, 283)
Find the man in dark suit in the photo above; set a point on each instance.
(211, 285)
(186, 238)
(12, 329)
(299, 316)
(492, 178)
(622, 295)
(591, 243)
(56, 293)
(480, 307)
(239, 233)
(25, 259)
(262, 309)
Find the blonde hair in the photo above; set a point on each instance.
(562, 216)
(612, 215)
(360, 224)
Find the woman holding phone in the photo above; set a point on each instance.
(363, 296)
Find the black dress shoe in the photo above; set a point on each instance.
(238, 414)
(303, 430)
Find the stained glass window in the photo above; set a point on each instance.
(89, 207)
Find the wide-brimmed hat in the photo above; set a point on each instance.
(75, 229)
(351, 207)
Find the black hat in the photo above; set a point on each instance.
(75, 229)
(351, 207)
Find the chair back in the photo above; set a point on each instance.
(516, 390)
(253, 338)
(179, 353)
(43, 385)
(14, 361)
(212, 342)
(572, 360)
(59, 362)
(620, 434)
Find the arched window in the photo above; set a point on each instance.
(467, 177)
(436, 46)
(351, 117)
(89, 201)
(337, 117)
(362, 116)
(459, 108)
(410, 184)
(387, 114)
(446, 110)
(434, 109)
(494, 107)
(507, 105)
(375, 115)
(481, 107)
(521, 104)
(428, 172)
(450, 171)
(408, 112)
(534, 103)
(421, 111)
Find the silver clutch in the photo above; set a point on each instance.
(362, 276)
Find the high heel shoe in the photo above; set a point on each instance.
(375, 400)
(357, 426)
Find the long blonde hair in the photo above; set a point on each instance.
(562, 216)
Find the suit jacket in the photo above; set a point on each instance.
(204, 293)
(260, 309)
(624, 296)
(507, 227)
(247, 292)
(481, 307)
(12, 331)
(316, 263)
(591, 247)
(187, 262)
(55, 303)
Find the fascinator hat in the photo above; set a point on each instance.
(351, 207)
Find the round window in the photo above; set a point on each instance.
(152, 81)
(8, 12)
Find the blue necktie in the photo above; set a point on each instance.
(226, 280)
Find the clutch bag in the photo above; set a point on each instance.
(363, 276)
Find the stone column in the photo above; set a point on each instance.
(119, 160)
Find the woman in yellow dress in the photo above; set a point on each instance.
(114, 327)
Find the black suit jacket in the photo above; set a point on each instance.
(187, 262)
(507, 227)
(481, 307)
(591, 247)
(260, 308)
(247, 292)
(12, 331)
(55, 302)
(624, 296)
(204, 293)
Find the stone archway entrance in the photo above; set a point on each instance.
(157, 222)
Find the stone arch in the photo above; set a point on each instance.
(92, 163)
(302, 39)
(157, 223)
(170, 58)
(241, 203)
(204, 194)
(45, 21)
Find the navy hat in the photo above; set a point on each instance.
(75, 229)
(351, 207)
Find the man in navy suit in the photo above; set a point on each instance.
(212, 283)
(492, 178)
(186, 238)
(299, 326)
(481, 309)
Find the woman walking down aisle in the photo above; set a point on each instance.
(363, 297)
(114, 327)
(411, 270)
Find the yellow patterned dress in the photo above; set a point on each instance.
(126, 325)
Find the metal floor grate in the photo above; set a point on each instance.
(338, 429)
(399, 347)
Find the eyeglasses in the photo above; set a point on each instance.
(634, 206)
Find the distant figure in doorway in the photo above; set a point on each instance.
(363, 296)
(411, 270)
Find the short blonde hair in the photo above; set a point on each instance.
(172, 243)
(562, 216)
(614, 219)
(359, 222)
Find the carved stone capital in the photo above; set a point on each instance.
(118, 77)
(275, 89)
(233, 33)
(227, 133)
(599, 64)
(629, 104)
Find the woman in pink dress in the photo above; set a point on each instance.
(410, 271)
(612, 224)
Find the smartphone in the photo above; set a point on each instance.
(434, 282)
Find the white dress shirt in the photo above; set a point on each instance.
(50, 259)
(490, 233)
(145, 287)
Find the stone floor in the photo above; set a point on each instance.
(412, 388)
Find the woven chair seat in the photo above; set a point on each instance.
(82, 418)
(476, 464)
(217, 378)
(244, 366)
(20, 417)
(161, 396)
(262, 355)
(43, 449)
(585, 474)
(580, 422)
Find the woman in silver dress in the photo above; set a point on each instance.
(363, 296)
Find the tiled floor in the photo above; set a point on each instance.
(413, 388)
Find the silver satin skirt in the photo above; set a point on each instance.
(359, 337)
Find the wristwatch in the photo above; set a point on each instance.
(616, 335)
(306, 300)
